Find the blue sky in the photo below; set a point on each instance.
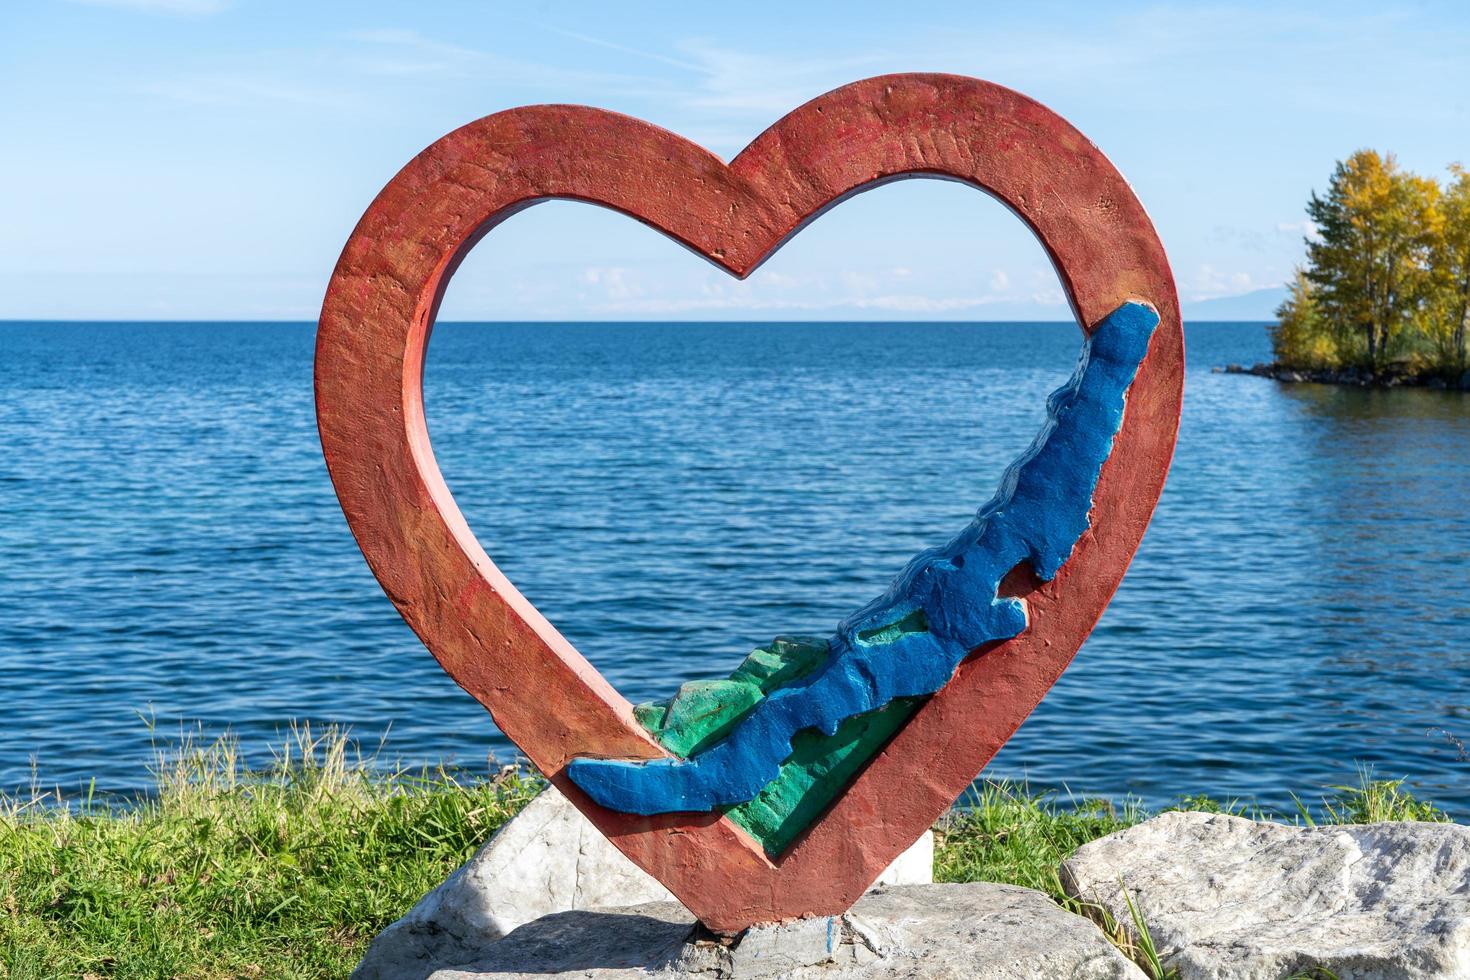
(183, 159)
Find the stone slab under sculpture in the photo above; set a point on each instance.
(546, 860)
(783, 791)
(977, 931)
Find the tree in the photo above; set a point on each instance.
(1301, 337)
(1449, 315)
(1370, 268)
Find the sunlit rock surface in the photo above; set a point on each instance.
(1226, 898)
(548, 859)
(974, 931)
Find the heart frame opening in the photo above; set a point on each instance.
(372, 339)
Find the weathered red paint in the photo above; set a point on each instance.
(375, 325)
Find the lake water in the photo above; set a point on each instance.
(672, 495)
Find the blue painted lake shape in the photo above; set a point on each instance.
(945, 604)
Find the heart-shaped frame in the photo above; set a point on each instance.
(374, 331)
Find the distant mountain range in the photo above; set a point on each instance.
(1259, 304)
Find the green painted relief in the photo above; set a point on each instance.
(819, 766)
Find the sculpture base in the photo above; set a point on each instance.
(980, 931)
(547, 859)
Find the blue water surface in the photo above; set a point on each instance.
(672, 495)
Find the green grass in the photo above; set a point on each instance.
(1006, 833)
(289, 872)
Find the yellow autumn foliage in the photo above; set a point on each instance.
(1387, 277)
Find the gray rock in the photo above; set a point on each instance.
(955, 932)
(1224, 897)
(548, 859)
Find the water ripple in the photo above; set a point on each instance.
(673, 495)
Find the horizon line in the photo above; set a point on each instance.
(6, 321)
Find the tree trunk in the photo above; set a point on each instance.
(1461, 355)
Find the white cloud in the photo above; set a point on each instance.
(405, 38)
(1043, 288)
(410, 53)
(1247, 239)
(243, 88)
(1305, 227)
(999, 281)
(182, 7)
(762, 85)
(620, 292)
(1211, 283)
(614, 282)
(331, 76)
(623, 48)
(720, 300)
(767, 277)
(921, 304)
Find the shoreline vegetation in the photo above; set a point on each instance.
(1383, 299)
(1390, 378)
(290, 871)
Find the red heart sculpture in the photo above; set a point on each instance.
(545, 696)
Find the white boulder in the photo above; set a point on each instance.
(1225, 898)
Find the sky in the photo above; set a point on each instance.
(207, 159)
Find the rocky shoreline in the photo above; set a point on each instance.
(1388, 378)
